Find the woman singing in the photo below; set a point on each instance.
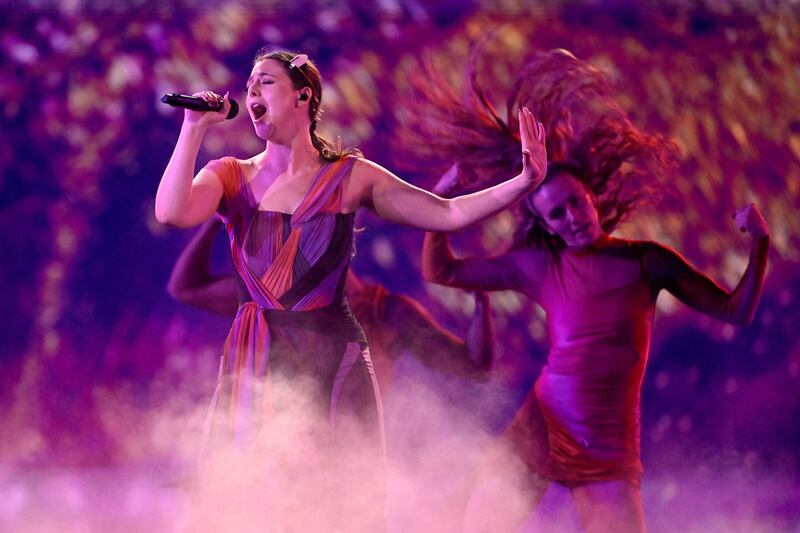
(295, 357)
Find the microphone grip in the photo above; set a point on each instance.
(195, 103)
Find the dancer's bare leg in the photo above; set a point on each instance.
(508, 487)
(497, 505)
(505, 492)
(610, 507)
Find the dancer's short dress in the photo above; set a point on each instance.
(600, 305)
(599, 313)
(581, 422)
(295, 374)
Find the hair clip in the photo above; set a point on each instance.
(298, 61)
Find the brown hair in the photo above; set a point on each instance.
(588, 136)
(308, 75)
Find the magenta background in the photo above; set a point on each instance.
(87, 324)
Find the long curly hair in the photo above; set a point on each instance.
(308, 75)
(587, 135)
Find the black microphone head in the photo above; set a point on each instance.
(234, 110)
(199, 104)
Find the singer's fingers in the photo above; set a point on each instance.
(530, 124)
(526, 127)
(533, 126)
(210, 96)
(526, 116)
(225, 103)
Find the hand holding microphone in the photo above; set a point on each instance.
(204, 102)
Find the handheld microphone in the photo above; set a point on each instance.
(196, 103)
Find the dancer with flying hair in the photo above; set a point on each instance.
(599, 291)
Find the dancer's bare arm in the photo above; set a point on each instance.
(191, 281)
(422, 337)
(672, 272)
(519, 270)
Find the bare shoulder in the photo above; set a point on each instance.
(367, 172)
(365, 165)
(364, 175)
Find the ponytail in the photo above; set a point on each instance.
(326, 149)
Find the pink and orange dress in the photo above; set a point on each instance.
(295, 332)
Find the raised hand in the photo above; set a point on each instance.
(749, 219)
(207, 118)
(534, 153)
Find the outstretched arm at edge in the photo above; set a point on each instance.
(398, 201)
(702, 293)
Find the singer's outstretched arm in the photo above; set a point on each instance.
(181, 200)
(396, 200)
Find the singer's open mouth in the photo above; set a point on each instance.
(258, 111)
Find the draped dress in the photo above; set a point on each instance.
(294, 346)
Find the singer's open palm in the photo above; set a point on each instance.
(534, 153)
